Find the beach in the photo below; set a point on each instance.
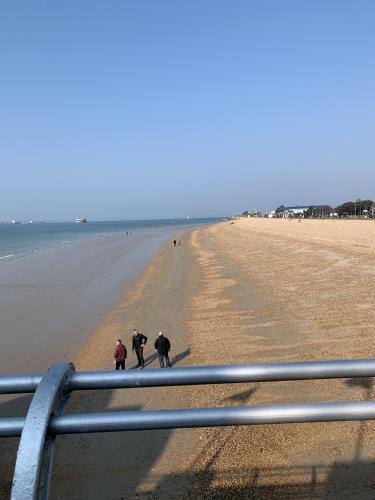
(243, 291)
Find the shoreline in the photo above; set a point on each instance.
(19, 241)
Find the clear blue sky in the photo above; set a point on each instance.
(172, 108)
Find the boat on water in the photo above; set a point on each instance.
(81, 221)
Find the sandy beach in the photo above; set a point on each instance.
(255, 290)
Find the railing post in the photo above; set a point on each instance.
(35, 453)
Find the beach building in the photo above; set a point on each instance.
(295, 211)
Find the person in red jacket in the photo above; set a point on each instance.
(120, 355)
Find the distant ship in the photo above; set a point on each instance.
(81, 221)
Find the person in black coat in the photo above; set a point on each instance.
(139, 341)
(163, 346)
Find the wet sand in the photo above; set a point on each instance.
(52, 301)
(244, 292)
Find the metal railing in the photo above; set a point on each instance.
(44, 419)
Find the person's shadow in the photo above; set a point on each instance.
(175, 359)
(180, 356)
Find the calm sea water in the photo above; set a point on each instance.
(17, 240)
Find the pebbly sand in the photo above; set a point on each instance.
(251, 291)
(277, 291)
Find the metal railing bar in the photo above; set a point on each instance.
(223, 374)
(195, 375)
(20, 384)
(207, 417)
(11, 426)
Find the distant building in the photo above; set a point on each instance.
(296, 211)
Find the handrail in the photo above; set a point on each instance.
(44, 420)
(197, 375)
(82, 423)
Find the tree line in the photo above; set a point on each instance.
(348, 209)
(355, 208)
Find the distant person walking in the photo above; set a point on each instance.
(163, 346)
(139, 341)
(174, 243)
(120, 355)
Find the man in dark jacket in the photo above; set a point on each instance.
(120, 355)
(163, 346)
(139, 341)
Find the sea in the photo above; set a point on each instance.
(18, 240)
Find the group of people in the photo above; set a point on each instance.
(162, 346)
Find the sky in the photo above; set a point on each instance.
(156, 108)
